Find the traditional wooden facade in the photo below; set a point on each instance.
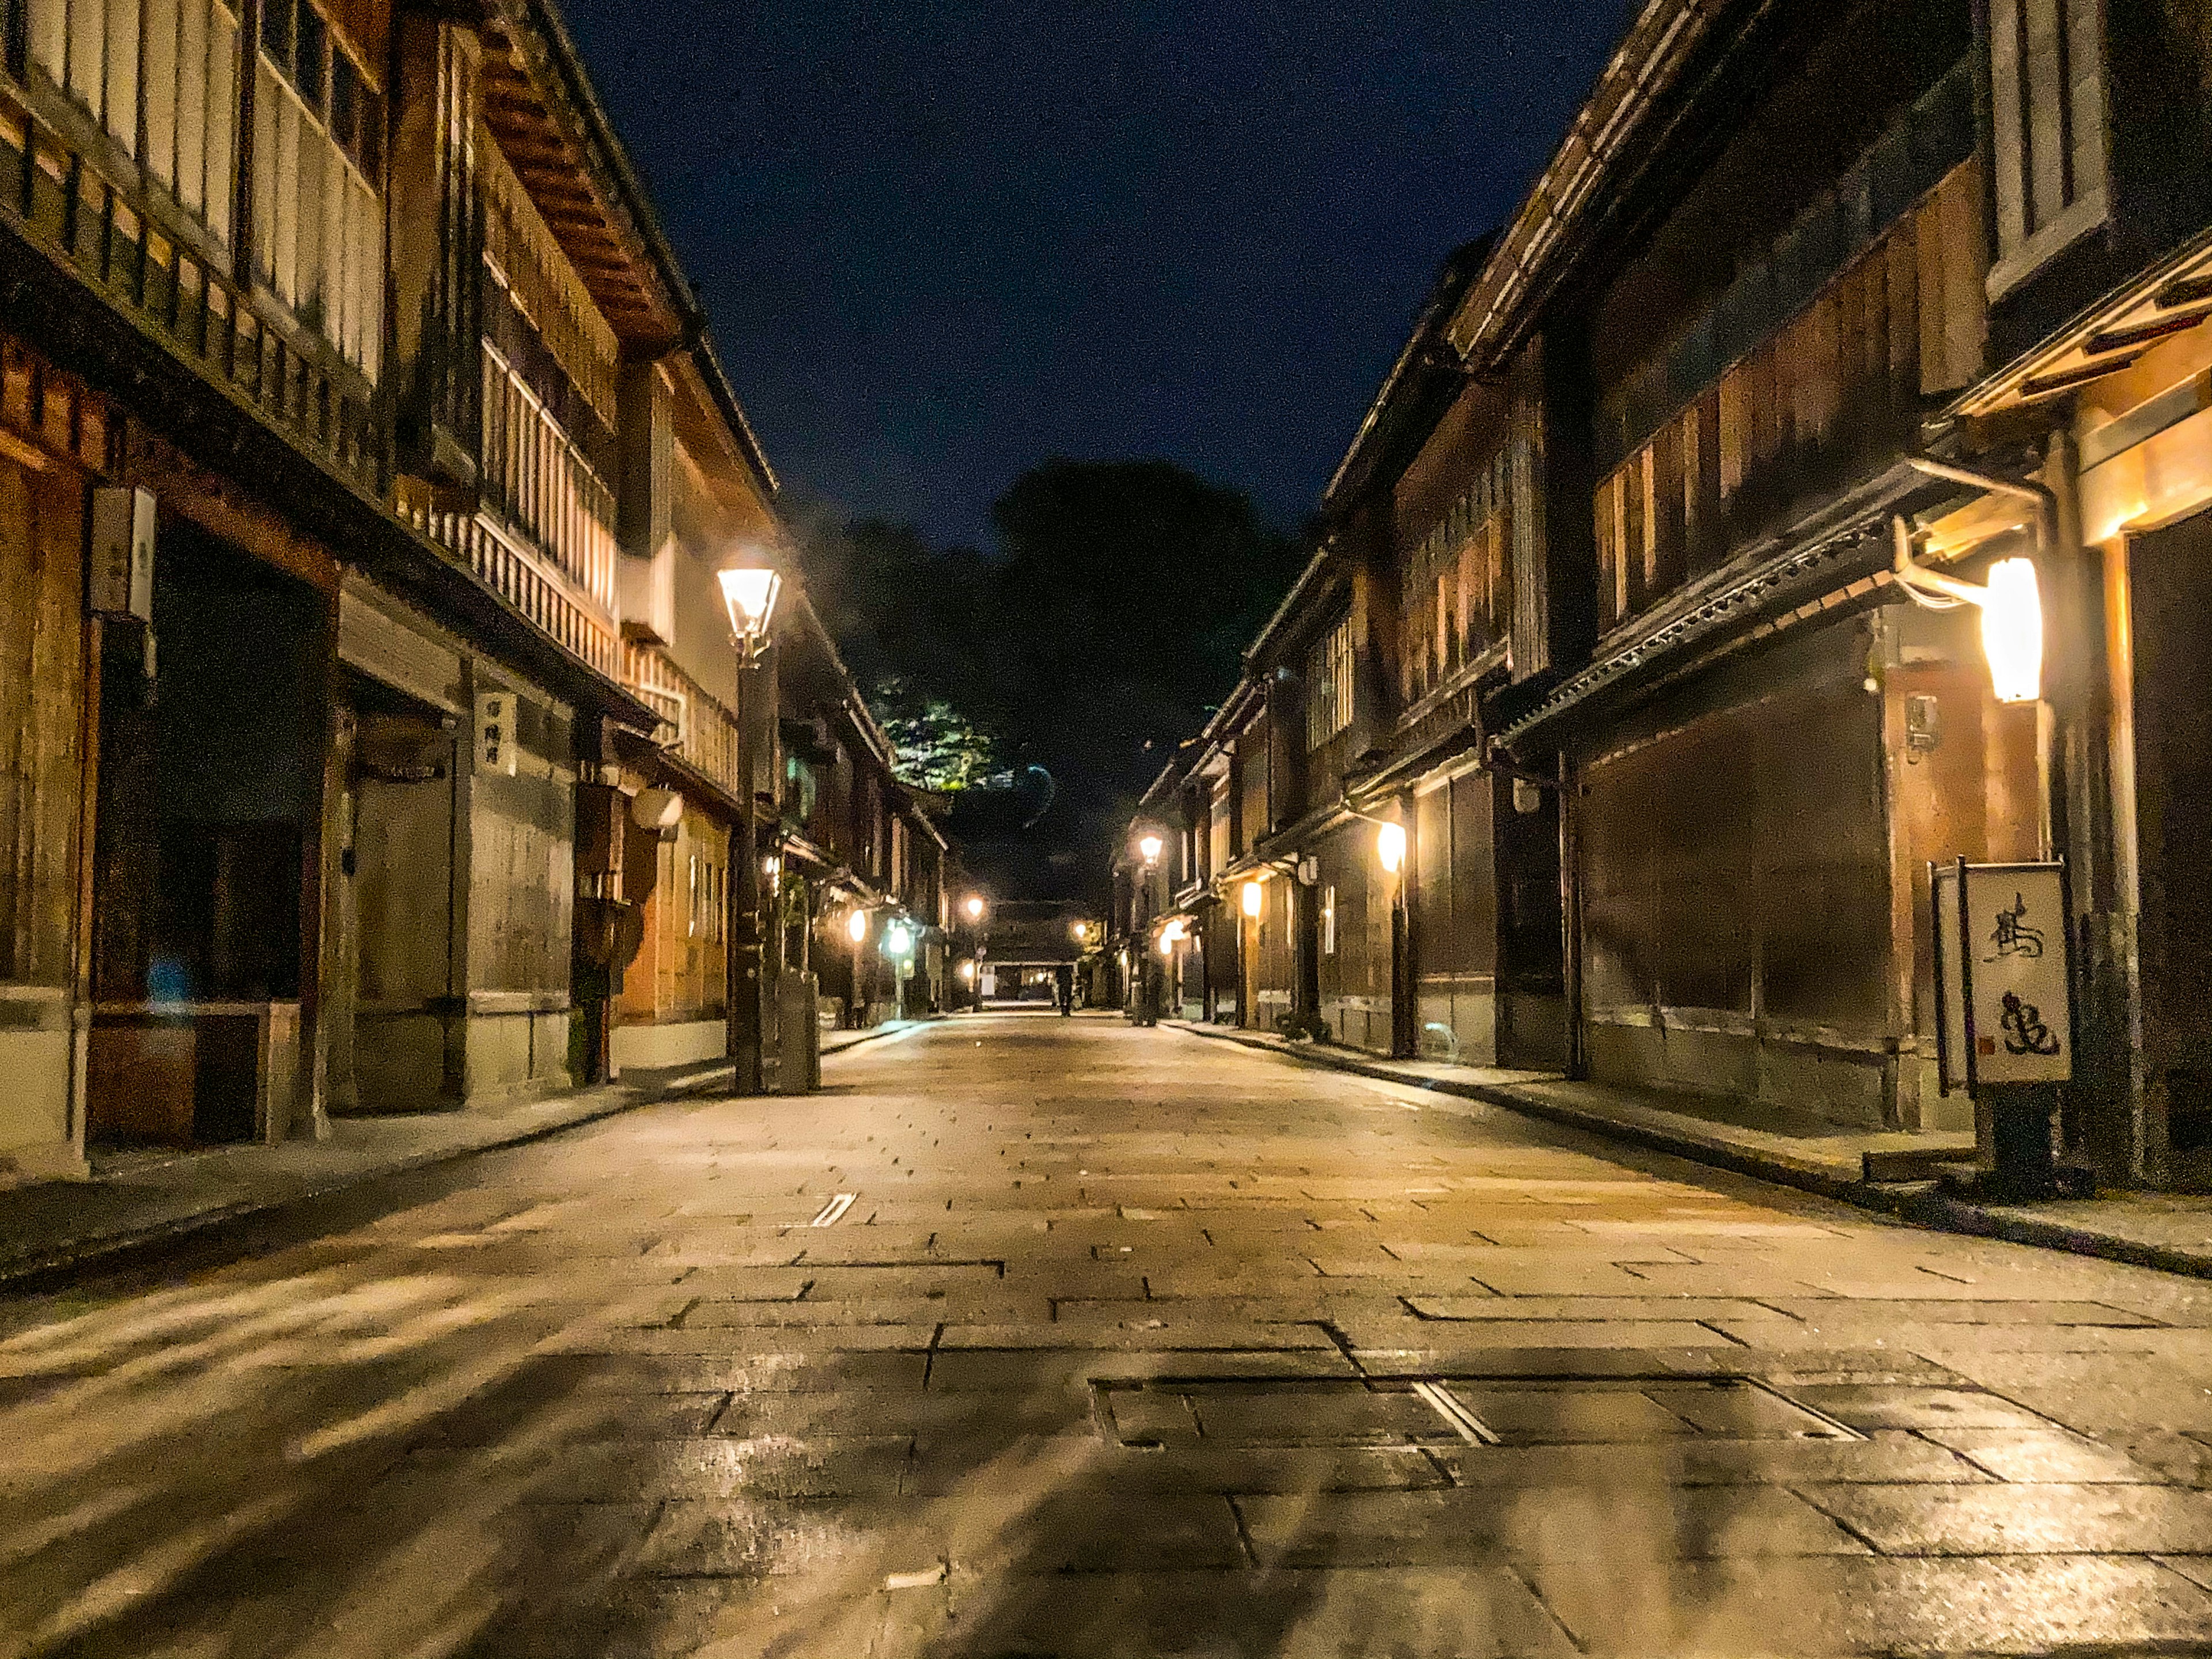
(1603, 619)
(363, 466)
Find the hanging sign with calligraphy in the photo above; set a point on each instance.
(2004, 975)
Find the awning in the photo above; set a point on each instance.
(1845, 541)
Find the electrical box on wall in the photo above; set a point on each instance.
(121, 565)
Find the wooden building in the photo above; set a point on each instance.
(363, 468)
(1603, 620)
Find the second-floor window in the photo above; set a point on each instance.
(1329, 685)
(318, 154)
(1454, 595)
(539, 480)
(165, 71)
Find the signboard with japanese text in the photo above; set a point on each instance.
(2007, 990)
(497, 748)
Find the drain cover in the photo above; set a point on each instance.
(1479, 1411)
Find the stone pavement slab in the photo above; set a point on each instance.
(611, 1392)
(1875, 1169)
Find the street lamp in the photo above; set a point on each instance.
(1254, 898)
(1149, 845)
(898, 946)
(1390, 847)
(856, 926)
(1081, 931)
(751, 587)
(975, 907)
(2011, 613)
(2012, 631)
(750, 584)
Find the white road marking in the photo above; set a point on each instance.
(1472, 1429)
(834, 1211)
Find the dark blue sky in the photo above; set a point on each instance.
(941, 240)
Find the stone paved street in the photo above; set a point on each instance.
(1123, 1343)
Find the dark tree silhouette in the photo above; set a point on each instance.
(1100, 632)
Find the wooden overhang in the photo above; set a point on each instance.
(1419, 387)
(2172, 297)
(540, 109)
(1838, 555)
(1632, 112)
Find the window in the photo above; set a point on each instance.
(543, 483)
(317, 128)
(704, 919)
(170, 66)
(1329, 685)
(1328, 921)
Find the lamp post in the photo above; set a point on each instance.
(973, 910)
(751, 585)
(856, 929)
(1390, 853)
(1144, 977)
(898, 946)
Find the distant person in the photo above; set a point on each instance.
(1063, 988)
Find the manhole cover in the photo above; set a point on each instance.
(1165, 1412)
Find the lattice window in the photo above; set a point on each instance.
(522, 257)
(318, 154)
(539, 478)
(169, 67)
(1329, 685)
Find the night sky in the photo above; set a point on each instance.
(941, 240)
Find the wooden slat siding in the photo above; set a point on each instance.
(2046, 67)
(1901, 322)
(1664, 508)
(2085, 64)
(2043, 93)
(1966, 267)
(1528, 483)
(2010, 185)
(1841, 380)
(708, 732)
(41, 664)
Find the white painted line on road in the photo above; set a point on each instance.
(1471, 1428)
(834, 1211)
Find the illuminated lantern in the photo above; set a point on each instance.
(2012, 631)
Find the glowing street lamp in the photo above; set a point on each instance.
(2012, 631)
(1081, 931)
(751, 585)
(1150, 845)
(1390, 847)
(1254, 898)
(974, 907)
(898, 941)
(2012, 614)
(967, 973)
(856, 926)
